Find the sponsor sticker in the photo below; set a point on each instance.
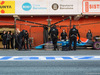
(7, 7)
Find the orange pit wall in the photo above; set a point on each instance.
(37, 32)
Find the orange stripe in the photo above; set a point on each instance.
(82, 39)
(91, 0)
(86, 6)
(92, 12)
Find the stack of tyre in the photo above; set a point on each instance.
(96, 44)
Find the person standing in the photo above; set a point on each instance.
(12, 40)
(73, 37)
(63, 35)
(54, 34)
(8, 40)
(89, 35)
(20, 39)
(4, 37)
(26, 37)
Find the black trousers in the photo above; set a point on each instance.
(16, 43)
(54, 40)
(72, 39)
(12, 44)
(26, 44)
(20, 44)
(8, 44)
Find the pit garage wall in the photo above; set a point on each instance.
(37, 32)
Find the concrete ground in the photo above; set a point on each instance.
(47, 53)
(54, 67)
(50, 68)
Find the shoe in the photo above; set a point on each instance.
(57, 49)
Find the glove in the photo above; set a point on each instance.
(79, 41)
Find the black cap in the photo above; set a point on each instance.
(24, 31)
(74, 26)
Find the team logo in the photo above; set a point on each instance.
(55, 6)
(26, 6)
(7, 7)
(53, 29)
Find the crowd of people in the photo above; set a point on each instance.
(73, 33)
(8, 39)
(72, 36)
(21, 39)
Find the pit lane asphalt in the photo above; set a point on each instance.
(48, 53)
(72, 67)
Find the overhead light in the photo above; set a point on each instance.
(62, 15)
(31, 16)
(86, 16)
(16, 16)
(95, 16)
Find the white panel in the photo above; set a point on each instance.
(48, 7)
(31, 6)
(65, 7)
(91, 7)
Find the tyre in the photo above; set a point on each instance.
(96, 45)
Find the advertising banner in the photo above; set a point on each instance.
(91, 7)
(32, 7)
(69, 7)
(7, 7)
(48, 7)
